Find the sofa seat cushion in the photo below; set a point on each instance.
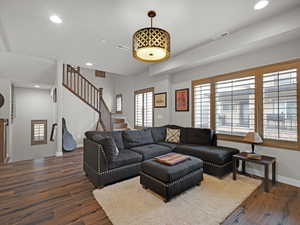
(172, 146)
(217, 155)
(125, 157)
(97, 135)
(169, 174)
(133, 138)
(150, 151)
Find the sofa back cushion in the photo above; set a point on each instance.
(158, 134)
(133, 138)
(116, 135)
(198, 136)
(109, 147)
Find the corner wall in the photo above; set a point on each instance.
(288, 166)
(31, 104)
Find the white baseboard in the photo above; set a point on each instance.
(282, 179)
(59, 154)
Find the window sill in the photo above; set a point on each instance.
(268, 143)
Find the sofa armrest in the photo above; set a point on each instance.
(94, 156)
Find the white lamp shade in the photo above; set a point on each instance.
(253, 137)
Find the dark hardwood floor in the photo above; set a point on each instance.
(55, 191)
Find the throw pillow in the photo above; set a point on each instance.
(109, 147)
(173, 135)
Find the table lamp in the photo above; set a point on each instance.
(253, 138)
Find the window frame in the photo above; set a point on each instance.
(143, 91)
(41, 142)
(119, 96)
(258, 72)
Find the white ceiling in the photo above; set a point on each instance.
(27, 70)
(25, 28)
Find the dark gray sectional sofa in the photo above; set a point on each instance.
(136, 146)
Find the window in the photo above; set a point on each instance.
(263, 99)
(143, 108)
(280, 105)
(202, 105)
(235, 106)
(38, 132)
(119, 104)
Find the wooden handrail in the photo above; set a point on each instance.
(76, 83)
(82, 77)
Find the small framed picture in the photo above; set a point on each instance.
(160, 100)
(182, 100)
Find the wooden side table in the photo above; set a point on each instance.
(266, 161)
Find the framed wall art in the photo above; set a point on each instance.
(160, 100)
(182, 98)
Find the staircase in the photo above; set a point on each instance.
(119, 124)
(89, 94)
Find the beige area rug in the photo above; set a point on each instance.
(127, 203)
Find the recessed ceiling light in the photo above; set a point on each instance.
(260, 4)
(89, 64)
(103, 41)
(37, 86)
(55, 19)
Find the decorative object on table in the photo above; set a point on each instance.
(1, 100)
(266, 161)
(151, 44)
(182, 100)
(172, 159)
(253, 138)
(160, 100)
(69, 143)
(254, 156)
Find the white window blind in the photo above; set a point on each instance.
(38, 132)
(235, 106)
(139, 110)
(148, 109)
(202, 105)
(119, 103)
(144, 108)
(280, 105)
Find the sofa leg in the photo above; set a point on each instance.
(100, 187)
(166, 200)
(144, 187)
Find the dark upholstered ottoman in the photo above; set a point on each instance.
(168, 181)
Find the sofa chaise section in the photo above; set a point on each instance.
(217, 159)
(102, 172)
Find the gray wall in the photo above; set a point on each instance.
(31, 104)
(288, 168)
(79, 116)
(127, 85)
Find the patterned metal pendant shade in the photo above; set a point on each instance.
(151, 44)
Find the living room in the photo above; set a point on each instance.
(199, 127)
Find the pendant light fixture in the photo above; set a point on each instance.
(151, 44)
